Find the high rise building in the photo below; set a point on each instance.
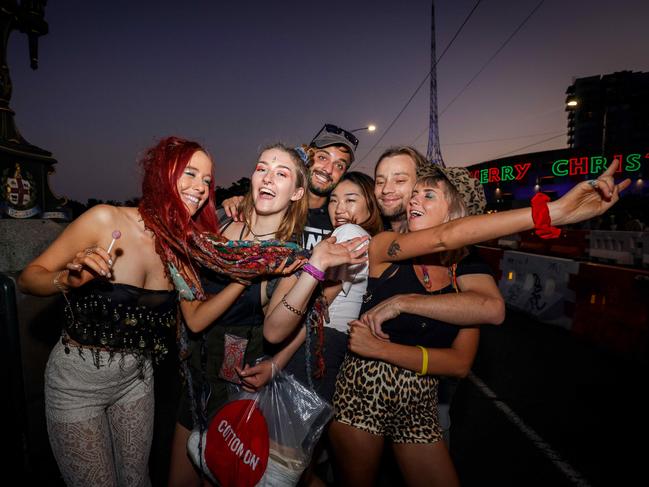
(608, 112)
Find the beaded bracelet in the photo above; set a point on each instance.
(424, 361)
(314, 271)
(291, 308)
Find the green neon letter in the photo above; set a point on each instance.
(632, 162)
(507, 173)
(597, 164)
(559, 167)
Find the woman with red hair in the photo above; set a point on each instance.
(121, 310)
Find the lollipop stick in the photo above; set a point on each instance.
(116, 235)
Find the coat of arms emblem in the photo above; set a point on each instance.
(19, 193)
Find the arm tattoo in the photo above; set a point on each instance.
(394, 249)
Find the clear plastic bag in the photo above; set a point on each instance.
(295, 417)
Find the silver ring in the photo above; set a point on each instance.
(90, 250)
(593, 183)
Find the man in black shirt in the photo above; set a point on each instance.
(328, 157)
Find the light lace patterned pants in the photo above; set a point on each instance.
(99, 420)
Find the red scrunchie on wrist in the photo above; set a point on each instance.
(541, 217)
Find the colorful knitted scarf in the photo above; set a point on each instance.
(241, 260)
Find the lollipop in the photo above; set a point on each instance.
(116, 234)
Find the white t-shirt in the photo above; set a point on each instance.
(347, 305)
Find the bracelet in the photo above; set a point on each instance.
(314, 271)
(291, 308)
(58, 284)
(541, 217)
(424, 361)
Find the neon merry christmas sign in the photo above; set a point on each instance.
(561, 167)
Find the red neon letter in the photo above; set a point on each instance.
(494, 175)
(578, 166)
(620, 162)
(521, 170)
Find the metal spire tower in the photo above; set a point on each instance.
(434, 152)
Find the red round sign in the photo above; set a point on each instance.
(236, 447)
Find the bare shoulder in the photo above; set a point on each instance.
(102, 214)
(92, 220)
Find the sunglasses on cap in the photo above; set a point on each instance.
(333, 129)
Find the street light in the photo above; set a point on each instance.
(369, 128)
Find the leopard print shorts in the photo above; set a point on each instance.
(388, 401)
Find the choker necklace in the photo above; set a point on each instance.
(257, 236)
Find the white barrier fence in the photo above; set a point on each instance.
(618, 247)
(538, 285)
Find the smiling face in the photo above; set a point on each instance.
(428, 206)
(329, 165)
(194, 184)
(348, 205)
(394, 181)
(274, 182)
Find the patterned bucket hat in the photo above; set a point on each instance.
(469, 188)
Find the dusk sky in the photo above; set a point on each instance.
(116, 76)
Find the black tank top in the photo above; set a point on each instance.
(409, 329)
(121, 318)
(244, 318)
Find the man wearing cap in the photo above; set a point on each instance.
(480, 301)
(328, 157)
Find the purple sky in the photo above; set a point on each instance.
(115, 76)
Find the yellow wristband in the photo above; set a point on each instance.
(424, 360)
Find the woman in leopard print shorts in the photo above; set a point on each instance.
(387, 389)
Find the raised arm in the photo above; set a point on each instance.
(200, 314)
(586, 200)
(289, 301)
(74, 258)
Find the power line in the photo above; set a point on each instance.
(484, 141)
(422, 82)
(530, 145)
(493, 56)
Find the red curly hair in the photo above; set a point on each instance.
(161, 208)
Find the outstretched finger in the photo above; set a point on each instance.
(610, 170)
(621, 187)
